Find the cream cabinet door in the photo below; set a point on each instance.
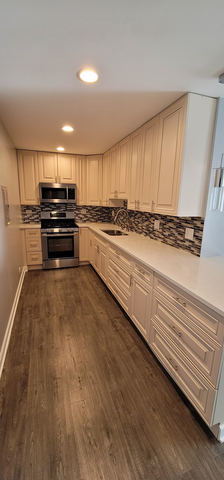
(103, 264)
(48, 167)
(82, 185)
(91, 247)
(123, 168)
(113, 187)
(68, 168)
(148, 165)
(28, 177)
(83, 244)
(105, 179)
(141, 306)
(94, 179)
(167, 176)
(135, 165)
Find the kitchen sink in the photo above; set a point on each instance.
(114, 233)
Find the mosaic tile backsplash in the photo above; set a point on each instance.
(171, 230)
(31, 213)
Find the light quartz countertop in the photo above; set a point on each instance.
(25, 226)
(203, 278)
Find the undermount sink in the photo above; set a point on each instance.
(114, 233)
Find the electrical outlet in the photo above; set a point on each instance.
(156, 224)
(189, 233)
(83, 210)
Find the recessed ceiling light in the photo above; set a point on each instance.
(60, 149)
(88, 75)
(67, 128)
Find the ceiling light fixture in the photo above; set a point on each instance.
(88, 75)
(60, 149)
(67, 128)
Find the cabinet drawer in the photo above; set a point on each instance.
(202, 351)
(120, 259)
(118, 281)
(200, 393)
(33, 245)
(191, 309)
(143, 273)
(34, 258)
(122, 297)
(32, 234)
(120, 273)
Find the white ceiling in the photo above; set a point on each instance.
(148, 53)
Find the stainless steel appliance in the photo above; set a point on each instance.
(57, 193)
(60, 240)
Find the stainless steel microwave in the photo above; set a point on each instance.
(57, 193)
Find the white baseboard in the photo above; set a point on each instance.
(6, 340)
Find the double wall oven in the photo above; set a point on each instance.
(60, 239)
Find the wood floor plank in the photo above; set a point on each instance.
(82, 397)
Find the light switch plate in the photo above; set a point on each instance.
(189, 233)
(156, 224)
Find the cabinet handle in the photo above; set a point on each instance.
(178, 333)
(153, 205)
(180, 301)
(170, 360)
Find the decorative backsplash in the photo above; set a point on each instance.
(31, 213)
(171, 229)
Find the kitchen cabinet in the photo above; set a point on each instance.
(94, 179)
(105, 179)
(28, 177)
(83, 244)
(91, 247)
(100, 258)
(183, 157)
(59, 168)
(123, 168)
(48, 167)
(33, 248)
(68, 168)
(148, 165)
(113, 169)
(135, 169)
(141, 294)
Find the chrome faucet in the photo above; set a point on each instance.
(123, 211)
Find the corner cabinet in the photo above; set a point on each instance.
(28, 177)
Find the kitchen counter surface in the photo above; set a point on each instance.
(25, 226)
(203, 278)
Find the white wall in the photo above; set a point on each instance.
(10, 236)
(213, 235)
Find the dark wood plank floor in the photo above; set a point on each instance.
(82, 397)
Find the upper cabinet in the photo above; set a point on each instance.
(135, 169)
(48, 167)
(170, 159)
(59, 168)
(94, 179)
(105, 179)
(28, 177)
(123, 168)
(113, 168)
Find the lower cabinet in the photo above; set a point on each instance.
(33, 248)
(141, 304)
(185, 335)
(83, 244)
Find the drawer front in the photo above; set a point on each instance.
(33, 245)
(123, 298)
(202, 316)
(34, 258)
(122, 274)
(32, 235)
(119, 282)
(120, 259)
(195, 387)
(143, 273)
(202, 351)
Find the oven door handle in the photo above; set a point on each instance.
(50, 235)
